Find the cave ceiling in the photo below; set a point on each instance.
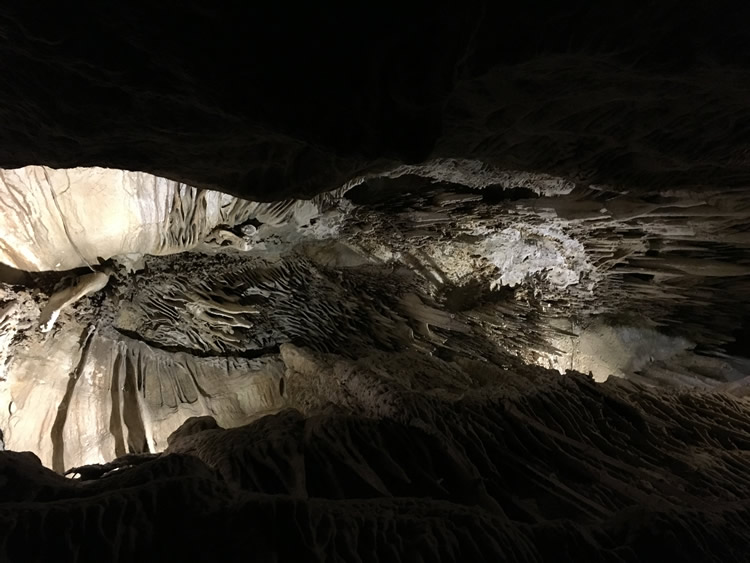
(468, 283)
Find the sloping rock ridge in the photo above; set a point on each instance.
(538, 468)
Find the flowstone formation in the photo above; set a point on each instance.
(451, 260)
(500, 463)
(393, 367)
(437, 280)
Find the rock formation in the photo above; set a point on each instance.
(452, 281)
(526, 466)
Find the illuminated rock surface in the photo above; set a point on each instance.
(479, 291)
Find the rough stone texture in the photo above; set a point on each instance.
(278, 100)
(69, 218)
(559, 276)
(586, 167)
(533, 467)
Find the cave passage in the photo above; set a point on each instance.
(448, 282)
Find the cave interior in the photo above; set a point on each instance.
(442, 281)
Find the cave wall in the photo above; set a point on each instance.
(619, 119)
(82, 397)
(200, 290)
(62, 219)
(528, 466)
(281, 100)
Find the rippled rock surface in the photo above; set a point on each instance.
(529, 467)
(290, 282)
